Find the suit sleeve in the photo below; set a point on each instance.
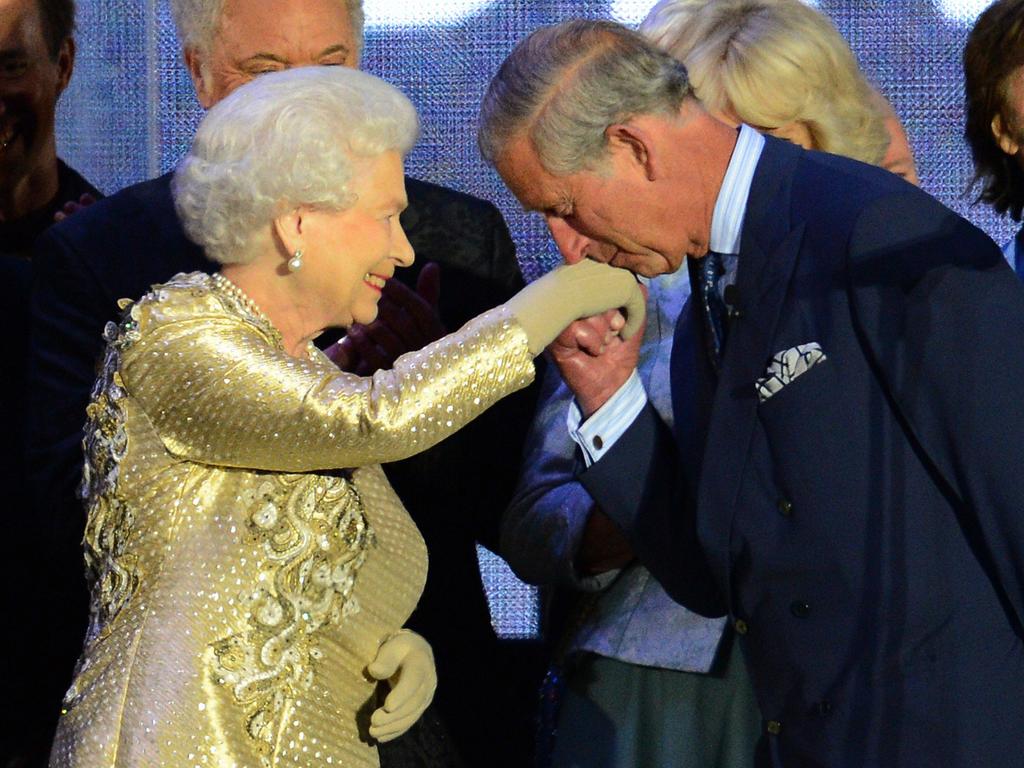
(69, 309)
(943, 316)
(217, 392)
(542, 528)
(640, 484)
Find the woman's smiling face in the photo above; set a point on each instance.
(350, 254)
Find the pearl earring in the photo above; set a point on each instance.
(295, 262)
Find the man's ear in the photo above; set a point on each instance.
(1004, 137)
(289, 232)
(201, 80)
(637, 142)
(65, 64)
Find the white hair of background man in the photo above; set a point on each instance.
(283, 140)
(197, 21)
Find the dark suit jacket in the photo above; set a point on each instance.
(26, 675)
(121, 246)
(863, 527)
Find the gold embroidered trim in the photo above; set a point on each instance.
(314, 533)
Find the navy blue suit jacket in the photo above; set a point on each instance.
(863, 527)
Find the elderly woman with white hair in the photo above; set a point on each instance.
(247, 593)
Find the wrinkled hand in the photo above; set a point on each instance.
(406, 661)
(594, 360)
(603, 546)
(406, 320)
(72, 207)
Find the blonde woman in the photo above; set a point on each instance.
(779, 66)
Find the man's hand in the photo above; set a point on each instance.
(603, 546)
(594, 360)
(74, 206)
(406, 320)
(406, 661)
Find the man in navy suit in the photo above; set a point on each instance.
(122, 245)
(841, 479)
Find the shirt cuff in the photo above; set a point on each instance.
(598, 434)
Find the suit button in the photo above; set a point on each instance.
(800, 609)
(598, 442)
(822, 708)
(774, 727)
(740, 626)
(785, 507)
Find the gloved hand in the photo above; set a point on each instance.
(548, 305)
(406, 661)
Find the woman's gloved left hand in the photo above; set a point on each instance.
(406, 661)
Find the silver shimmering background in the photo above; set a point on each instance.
(130, 112)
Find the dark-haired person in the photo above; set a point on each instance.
(994, 85)
(37, 56)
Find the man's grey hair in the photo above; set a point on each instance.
(564, 85)
(283, 140)
(197, 22)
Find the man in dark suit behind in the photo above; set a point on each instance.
(121, 246)
(842, 476)
(37, 57)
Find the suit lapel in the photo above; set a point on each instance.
(769, 250)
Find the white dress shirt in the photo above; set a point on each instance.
(598, 434)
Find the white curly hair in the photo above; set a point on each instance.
(197, 21)
(283, 140)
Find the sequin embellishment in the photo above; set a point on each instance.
(112, 573)
(314, 534)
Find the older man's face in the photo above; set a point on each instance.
(260, 36)
(608, 215)
(30, 82)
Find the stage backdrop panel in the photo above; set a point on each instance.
(130, 111)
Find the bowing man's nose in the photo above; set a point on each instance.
(571, 244)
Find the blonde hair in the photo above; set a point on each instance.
(771, 62)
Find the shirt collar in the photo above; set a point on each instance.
(731, 205)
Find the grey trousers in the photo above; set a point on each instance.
(619, 715)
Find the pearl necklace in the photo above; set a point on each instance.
(239, 295)
(232, 290)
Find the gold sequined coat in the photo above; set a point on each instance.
(241, 581)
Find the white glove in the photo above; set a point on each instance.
(406, 661)
(547, 306)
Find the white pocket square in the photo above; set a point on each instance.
(786, 366)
